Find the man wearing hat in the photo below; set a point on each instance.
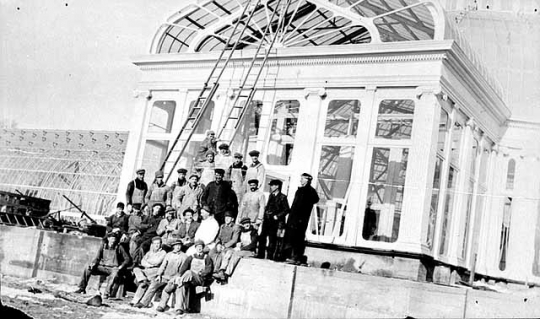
(176, 186)
(158, 191)
(110, 260)
(188, 196)
(118, 222)
(208, 144)
(207, 168)
(167, 226)
(187, 229)
(209, 227)
(224, 159)
(229, 235)
(256, 170)
(148, 231)
(169, 269)
(148, 268)
(195, 271)
(137, 189)
(275, 212)
(304, 199)
(219, 196)
(253, 204)
(237, 172)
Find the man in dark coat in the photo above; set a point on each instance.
(137, 189)
(219, 196)
(118, 222)
(275, 212)
(304, 199)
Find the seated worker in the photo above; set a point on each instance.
(148, 231)
(167, 226)
(111, 260)
(135, 228)
(244, 248)
(186, 231)
(170, 267)
(148, 269)
(118, 222)
(196, 271)
(208, 230)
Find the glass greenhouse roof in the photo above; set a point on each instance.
(83, 165)
(208, 25)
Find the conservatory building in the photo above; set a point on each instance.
(420, 170)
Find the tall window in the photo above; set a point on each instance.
(206, 120)
(161, 117)
(434, 202)
(245, 137)
(283, 132)
(154, 154)
(447, 212)
(444, 125)
(511, 172)
(333, 182)
(473, 155)
(342, 118)
(395, 119)
(457, 132)
(505, 233)
(385, 194)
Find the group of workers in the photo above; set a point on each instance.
(198, 232)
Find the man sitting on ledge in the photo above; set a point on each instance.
(110, 260)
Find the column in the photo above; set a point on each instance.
(135, 142)
(420, 169)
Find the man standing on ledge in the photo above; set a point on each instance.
(256, 170)
(219, 196)
(304, 199)
(276, 210)
(137, 189)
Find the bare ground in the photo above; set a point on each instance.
(43, 300)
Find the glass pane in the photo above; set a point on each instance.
(448, 206)
(395, 119)
(283, 132)
(457, 131)
(333, 181)
(465, 242)
(434, 203)
(342, 118)
(161, 117)
(443, 129)
(206, 121)
(385, 194)
(510, 174)
(154, 154)
(245, 138)
(505, 233)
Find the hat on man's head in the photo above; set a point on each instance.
(136, 206)
(198, 242)
(159, 174)
(306, 175)
(120, 205)
(207, 208)
(224, 146)
(254, 153)
(182, 170)
(229, 214)
(253, 181)
(158, 204)
(141, 171)
(157, 238)
(176, 242)
(245, 220)
(210, 152)
(170, 209)
(113, 234)
(188, 210)
(220, 171)
(275, 182)
(210, 132)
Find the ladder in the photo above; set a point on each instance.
(208, 91)
(248, 84)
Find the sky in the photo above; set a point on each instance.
(66, 64)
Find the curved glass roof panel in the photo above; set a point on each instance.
(83, 165)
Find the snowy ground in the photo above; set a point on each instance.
(55, 301)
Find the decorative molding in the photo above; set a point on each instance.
(434, 90)
(321, 92)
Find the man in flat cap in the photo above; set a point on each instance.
(176, 186)
(229, 236)
(207, 168)
(167, 226)
(275, 212)
(256, 170)
(189, 196)
(219, 196)
(158, 191)
(224, 159)
(118, 222)
(237, 172)
(137, 189)
(304, 199)
(252, 205)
